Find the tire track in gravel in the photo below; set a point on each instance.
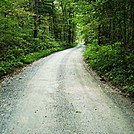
(99, 102)
(12, 89)
(65, 111)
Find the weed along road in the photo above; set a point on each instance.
(59, 95)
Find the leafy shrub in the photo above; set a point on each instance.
(110, 61)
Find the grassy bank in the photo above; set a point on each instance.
(111, 62)
(6, 67)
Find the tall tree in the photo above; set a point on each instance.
(36, 3)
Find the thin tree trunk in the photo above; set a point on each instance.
(36, 18)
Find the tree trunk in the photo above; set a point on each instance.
(36, 2)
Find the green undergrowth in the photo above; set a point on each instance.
(113, 63)
(6, 67)
(29, 58)
(17, 51)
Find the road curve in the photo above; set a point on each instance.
(58, 95)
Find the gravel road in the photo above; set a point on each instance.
(59, 95)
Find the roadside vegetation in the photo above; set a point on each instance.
(109, 62)
(31, 29)
(10, 65)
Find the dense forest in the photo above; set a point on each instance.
(31, 29)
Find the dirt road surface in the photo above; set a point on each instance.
(59, 95)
